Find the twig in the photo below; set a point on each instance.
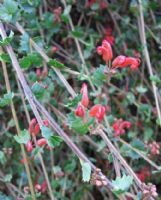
(29, 96)
(147, 57)
(18, 128)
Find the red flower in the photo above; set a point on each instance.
(29, 146)
(85, 99)
(46, 122)
(105, 50)
(119, 127)
(97, 111)
(80, 112)
(34, 127)
(123, 61)
(110, 39)
(41, 142)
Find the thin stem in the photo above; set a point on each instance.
(28, 94)
(119, 157)
(147, 58)
(141, 154)
(46, 58)
(8, 87)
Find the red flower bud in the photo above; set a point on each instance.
(41, 142)
(85, 99)
(29, 146)
(105, 50)
(46, 122)
(80, 112)
(36, 129)
(97, 111)
(38, 187)
(123, 61)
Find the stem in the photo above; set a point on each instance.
(46, 58)
(28, 94)
(147, 58)
(8, 87)
(141, 154)
(119, 157)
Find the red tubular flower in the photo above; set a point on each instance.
(29, 146)
(97, 111)
(123, 61)
(119, 127)
(41, 142)
(80, 112)
(36, 129)
(32, 125)
(85, 99)
(105, 50)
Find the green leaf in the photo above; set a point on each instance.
(77, 124)
(8, 178)
(7, 40)
(99, 76)
(24, 43)
(56, 64)
(122, 184)
(54, 141)
(74, 102)
(38, 90)
(2, 157)
(5, 57)
(141, 89)
(11, 6)
(31, 59)
(23, 138)
(8, 10)
(155, 79)
(46, 132)
(86, 171)
(6, 100)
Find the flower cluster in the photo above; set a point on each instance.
(120, 61)
(97, 111)
(154, 148)
(34, 130)
(98, 180)
(149, 191)
(119, 127)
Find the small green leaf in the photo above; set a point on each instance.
(38, 90)
(141, 89)
(29, 60)
(74, 102)
(23, 138)
(56, 64)
(6, 100)
(7, 40)
(86, 171)
(24, 43)
(46, 132)
(155, 79)
(8, 10)
(54, 141)
(2, 157)
(8, 178)
(99, 76)
(122, 184)
(5, 57)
